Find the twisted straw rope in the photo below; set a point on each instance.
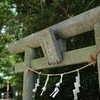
(93, 60)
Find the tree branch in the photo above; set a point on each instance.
(41, 6)
(29, 4)
(67, 5)
(59, 5)
(65, 11)
(89, 5)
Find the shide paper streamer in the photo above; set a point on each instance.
(44, 87)
(37, 84)
(56, 90)
(77, 85)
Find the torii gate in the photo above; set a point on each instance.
(52, 41)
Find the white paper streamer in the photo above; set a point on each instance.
(36, 86)
(78, 75)
(78, 81)
(77, 85)
(75, 96)
(54, 93)
(44, 87)
(56, 90)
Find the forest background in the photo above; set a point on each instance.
(20, 18)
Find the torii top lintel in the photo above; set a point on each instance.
(76, 25)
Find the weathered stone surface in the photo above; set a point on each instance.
(97, 39)
(70, 58)
(50, 47)
(28, 78)
(73, 26)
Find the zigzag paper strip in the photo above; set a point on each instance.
(75, 94)
(77, 85)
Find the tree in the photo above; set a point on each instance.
(19, 18)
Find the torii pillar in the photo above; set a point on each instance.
(30, 77)
(97, 40)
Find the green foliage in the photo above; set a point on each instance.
(19, 18)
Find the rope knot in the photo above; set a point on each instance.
(27, 70)
(93, 59)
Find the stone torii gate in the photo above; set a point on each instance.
(53, 44)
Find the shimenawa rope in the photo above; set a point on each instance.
(93, 60)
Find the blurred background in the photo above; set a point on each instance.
(20, 18)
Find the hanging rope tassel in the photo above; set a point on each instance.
(77, 85)
(56, 90)
(37, 84)
(44, 87)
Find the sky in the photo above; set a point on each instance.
(1, 74)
